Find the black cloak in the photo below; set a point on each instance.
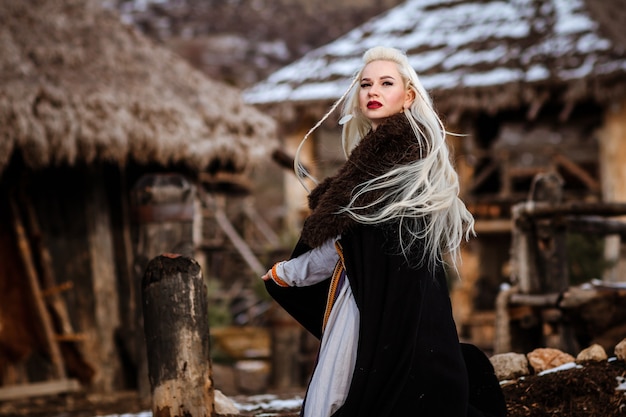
(409, 359)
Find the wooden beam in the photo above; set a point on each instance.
(483, 175)
(241, 246)
(39, 389)
(216, 208)
(544, 210)
(260, 223)
(493, 226)
(535, 300)
(577, 171)
(597, 226)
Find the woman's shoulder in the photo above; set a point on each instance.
(394, 141)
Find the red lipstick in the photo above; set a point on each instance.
(373, 105)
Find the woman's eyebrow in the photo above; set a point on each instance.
(384, 77)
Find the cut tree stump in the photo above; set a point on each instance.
(176, 326)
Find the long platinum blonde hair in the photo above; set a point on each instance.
(422, 197)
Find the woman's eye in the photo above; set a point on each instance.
(387, 83)
(365, 85)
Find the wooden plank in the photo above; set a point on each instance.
(39, 389)
(100, 344)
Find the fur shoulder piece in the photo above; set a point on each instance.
(393, 143)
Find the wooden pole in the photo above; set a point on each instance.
(48, 279)
(33, 282)
(176, 326)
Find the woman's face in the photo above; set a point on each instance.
(382, 92)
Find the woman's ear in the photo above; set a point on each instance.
(409, 99)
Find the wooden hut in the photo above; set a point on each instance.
(88, 106)
(535, 87)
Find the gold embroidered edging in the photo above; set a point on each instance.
(334, 282)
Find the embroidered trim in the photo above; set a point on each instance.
(276, 278)
(337, 278)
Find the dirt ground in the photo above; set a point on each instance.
(589, 391)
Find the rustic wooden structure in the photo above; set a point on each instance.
(80, 124)
(176, 324)
(534, 313)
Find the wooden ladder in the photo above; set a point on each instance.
(51, 295)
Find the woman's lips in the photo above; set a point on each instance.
(374, 105)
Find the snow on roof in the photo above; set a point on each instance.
(459, 45)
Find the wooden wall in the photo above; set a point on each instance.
(68, 228)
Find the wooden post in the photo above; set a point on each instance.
(612, 141)
(176, 325)
(163, 206)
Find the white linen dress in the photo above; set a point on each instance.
(332, 375)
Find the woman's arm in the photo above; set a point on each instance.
(307, 269)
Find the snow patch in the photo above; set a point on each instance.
(564, 367)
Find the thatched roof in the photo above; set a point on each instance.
(483, 55)
(77, 85)
(611, 15)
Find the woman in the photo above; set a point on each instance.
(367, 276)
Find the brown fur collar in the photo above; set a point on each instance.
(391, 144)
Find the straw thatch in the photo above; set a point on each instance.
(473, 55)
(611, 16)
(78, 86)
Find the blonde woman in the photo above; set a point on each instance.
(367, 276)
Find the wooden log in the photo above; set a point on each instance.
(163, 206)
(176, 326)
(597, 226)
(537, 209)
(536, 300)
